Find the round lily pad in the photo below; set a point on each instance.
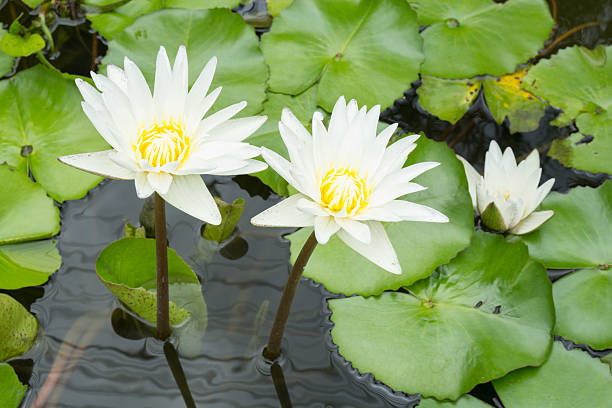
(6, 61)
(205, 33)
(26, 212)
(369, 50)
(28, 264)
(12, 388)
(42, 123)
(579, 81)
(486, 313)
(465, 38)
(110, 21)
(580, 232)
(448, 99)
(18, 328)
(569, 379)
(18, 46)
(420, 246)
(583, 304)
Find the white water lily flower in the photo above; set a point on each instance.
(162, 140)
(348, 181)
(508, 194)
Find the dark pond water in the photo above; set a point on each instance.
(93, 354)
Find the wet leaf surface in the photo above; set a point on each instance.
(18, 328)
(28, 264)
(466, 401)
(6, 61)
(12, 389)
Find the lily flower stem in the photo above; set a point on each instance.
(161, 253)
(272, 351)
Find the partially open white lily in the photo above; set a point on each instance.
(348, 181)
(508, 194)
(161, 140)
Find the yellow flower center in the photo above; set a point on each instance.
(344, 189)
(163, 143)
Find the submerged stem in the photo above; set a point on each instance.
(272, 351)
(161, 254)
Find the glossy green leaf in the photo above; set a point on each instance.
(6, 61)
(276, 6)
(420, 246)
(583, 304)
(26, 212)
(206, 33)
(465, 38)
(18, 328)
(369, 50)
(230, 214)
(466, 401)
(569, 379)
(45, 121)
(580, 232)
(579, 81)
(448, 99)
(34, 3)
(116, 20)
(28, 264)
(18, 46)
(12, 389)
(486, 313)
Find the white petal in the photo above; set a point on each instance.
(294, 125)
(162, 92)
(533, 221)
(90, 94)
(379, 250)
(221, 116)
(117, 75)
(409, 211)
(358, 230)
(160, 181)
(236, 130)
(194, 114)
(99, 163)
(473, 179)
(119, 107)
(195, 98)
(311, 207)
(376, 214)
(377, 150)
(325, 227)
(180, 78)
(248, 167)
(543, 191)
(280, 165)
(190, 195)
(386, 192)
(410, 172)
(143, 188)
(394, 157)
(337, 121)
(139, 93)
(284, 214)
(102, 121)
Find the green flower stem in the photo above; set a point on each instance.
(161, 252)
(179, 375)
(272, 351)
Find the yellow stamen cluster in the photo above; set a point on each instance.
(163, 143)
(344, 189)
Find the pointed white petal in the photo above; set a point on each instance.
(102, 121)
(160, 182)
(197, 93)
(325, 226)
(248, 167)
(195, 113)
(190, 195)
(143, 188)
(337, 121)
(377, 150)
(379, 250)
(117, 75)
(221, 116)
(358, 230)
(408, 173)
(376, 214)
(386, 192)
(409, 211)
(139, 93)
(311, 207)
(98, 163)
(279, 164)
(162, 91)
(90, 95)
(294, 125)
(394, 157)
(284, 214)
(543, 191)
(236, 130)
(533, 221)
(473, 179)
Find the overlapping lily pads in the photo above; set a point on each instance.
(43, 121)
(466, 401)
(109, 20)
(28, 264)
(12, 389)
(465, 38)
(369, 50)
(579, 81)
(18, 328)
(568, 379)
(6, 61)
(421, 247)
(486, 313)
(206, 33)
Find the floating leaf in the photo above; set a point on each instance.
(569, 379)
(466, 401)
(45, 122)
(276, 6)
(18, 46)
(230, 214)
(579, 81)
(6, 61)
(465, 38)
(12, 388)
(28, 264)
(448, 99)
(486, 313)
(35, 3)
(26, 212)
(420, 246)
(580, 232)
(18, 328)
(114, 22)
(206, 33)
(369, 50)
(583, 304)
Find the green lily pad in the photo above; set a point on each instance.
(26, 212)
(276, 6)
(579, 81)
(6, 61)
(450, 99)
(465, 38)
(206, 33)
(18, 328)
(367, 50)
(18, 46)
(466, 401)
(45, 122)
(12, 389)
(486, 313)
(569, 379)
(116, 20)
(230, 215)
(420, 246)
(583, 304)
(580, 232)
(28, 264)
